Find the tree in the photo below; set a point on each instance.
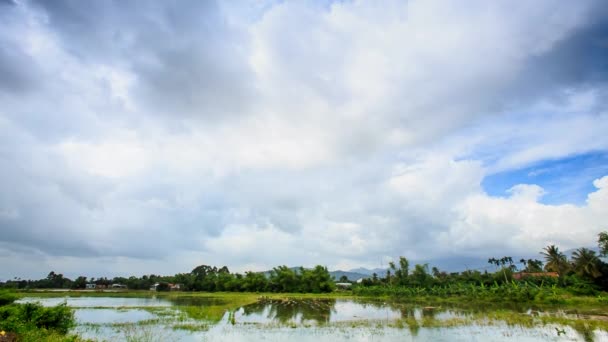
(420, 276)
(602, 241)
(205, 277)
(532, 265)
(504, 261)
(402, 272)
(254, 281)
(202, 271)
(163, 287)
(284, 279)
(80, 283)
(586, 263)
(439, 275)
(556, 261)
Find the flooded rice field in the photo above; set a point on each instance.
(227, 318)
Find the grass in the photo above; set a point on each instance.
(191, 326)
(561, 300)
(48, 336)
(178, 294)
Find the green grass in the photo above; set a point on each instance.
(42, 335)
(191, 326)
(176, 294)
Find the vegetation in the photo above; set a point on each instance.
(202, 278)
(585, 274)
(33, 322)
(603, 243)
(556, 261)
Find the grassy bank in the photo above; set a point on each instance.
(516, 296)
(176, 294)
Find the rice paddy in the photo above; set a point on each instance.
(249, 316)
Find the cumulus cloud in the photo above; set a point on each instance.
(151, 137)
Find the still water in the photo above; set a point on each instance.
(186, 318)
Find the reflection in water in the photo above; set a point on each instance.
(106, 302)
(113, 318)
(288, 310)
(196, 301)
(323, 311)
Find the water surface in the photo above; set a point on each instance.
(192, 318)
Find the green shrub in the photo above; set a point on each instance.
(24, 318)
(7, 297)
(163, 287)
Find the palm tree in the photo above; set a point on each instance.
(586, 263)
(602, 240)
(556, 260)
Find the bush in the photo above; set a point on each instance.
(7, 297)
(24, 318)
(163, 287)
(579, 286)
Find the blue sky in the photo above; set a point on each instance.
(152, 137)
(566, 180)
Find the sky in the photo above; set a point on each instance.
(151, 137)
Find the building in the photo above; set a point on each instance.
(522, 275)
(344, 286)
(119, 286)
(90, 286)
(172, 287)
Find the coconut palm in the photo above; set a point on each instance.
(586, 263)
(602, 240)
(556, 261)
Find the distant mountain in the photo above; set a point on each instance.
(454, 264)
(352, 276)
(381, 272)
(460, 264)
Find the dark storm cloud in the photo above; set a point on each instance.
(16, 68)
(578, 60)
(186, 59)
(581, 58)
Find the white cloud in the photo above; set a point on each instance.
(288, 133)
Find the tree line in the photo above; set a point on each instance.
(201, 278)
(583, 273)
